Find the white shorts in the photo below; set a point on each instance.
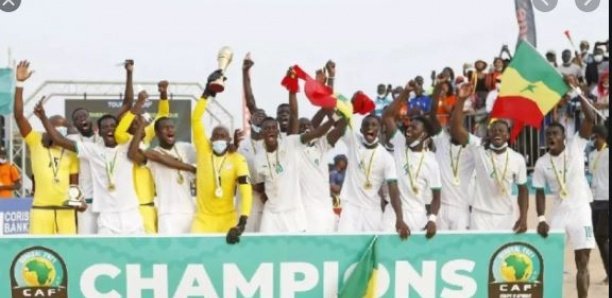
(174, 223)
(356, 219)
(453, 218)
(120, 223)
(320, 219)
(87, 221)
(254, 221)
(290, 221)
(484, 221)
(577, 224)
(416, 221)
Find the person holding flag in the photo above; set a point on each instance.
(497, 168)
(562, 170)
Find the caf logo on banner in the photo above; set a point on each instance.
(39, 272)
(516, 270)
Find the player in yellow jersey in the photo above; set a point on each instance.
(143, 181)
(219, 173)
(54, 170)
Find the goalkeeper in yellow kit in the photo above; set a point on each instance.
(219, 173)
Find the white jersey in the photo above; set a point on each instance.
(492, 196)
(375, 166)
(600, 169)
(456, 165)
(417, 170)
(279, 171)
(314, 175)
(85, 179)
(569, 166)
(114, 160)
(172, 186)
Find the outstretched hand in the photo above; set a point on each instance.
(129, 65)
(465, 91)
(39, 109)
(247, 63)
(330, 66)
(238, 137)
(23, 71)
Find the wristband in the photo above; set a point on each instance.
(19, 84)
(541, 218)
(432, 218)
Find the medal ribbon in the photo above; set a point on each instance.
(110, 169)
(562, 183)
(54, 166)
(369, 168)
(217, 171)
(500, 180)
(418, 171)
(455, 162)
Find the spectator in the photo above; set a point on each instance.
(585, 56)
(336, 175)
(10, 179)
(596, 68)
(551, 56)
(382, 98)
(420, 103)
(446, 103)
(481, 87)
(567, 67)
(601, 94)
(492, 96)
(498, 68)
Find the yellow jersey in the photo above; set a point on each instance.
(214, 171)
(52, 168)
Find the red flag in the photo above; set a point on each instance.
(318, 94)
(290, 81)
(362, 104)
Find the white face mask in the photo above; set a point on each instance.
(415, 143)
(255, 128)
(598, 58)
(364, 141)
(503, 146)
(62, 130)
(219, 146)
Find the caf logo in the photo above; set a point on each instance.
(39, 272)
(516, 270)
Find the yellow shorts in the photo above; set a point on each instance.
(207, 223)
(149, 218)
(52, 220)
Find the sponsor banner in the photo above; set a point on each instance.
(180, 112)
(449, 265)
(15, 216)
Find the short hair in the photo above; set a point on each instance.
(426, 124)
(268, 118)
(373, 116)
(339, 158)
(559, 125)
(104, 117)
(500, 121)
(282, 105)
(76, 110)
(157, 124)
(601, 131)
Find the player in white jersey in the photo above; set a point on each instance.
(369, 166)
(562, 170)
(175, 205)
(600, 185)
(497, 168)
(88, 219)
(417, 168)
(277, 177)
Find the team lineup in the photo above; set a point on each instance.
(402, 175)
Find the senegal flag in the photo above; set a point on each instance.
(530, 88)
(362, 282)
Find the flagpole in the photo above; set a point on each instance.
(590, 105)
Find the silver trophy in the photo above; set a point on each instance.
(75, 196)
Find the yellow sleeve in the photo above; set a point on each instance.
(32, 138)
(200, 139)
(246, 190)
(74, 164)
(163, 110)
(122, 135)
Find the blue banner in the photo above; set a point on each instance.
(15, 216)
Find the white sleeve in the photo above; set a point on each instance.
(323, 144)
(85, 150)
(398, 141)
(390, 172)
(188, 153)
(434, 180)
(538, 180)
(258, 177)
(473, 140)
(521, 176)
(350, 139)
(578, 146)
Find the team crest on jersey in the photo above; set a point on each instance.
(39, 272)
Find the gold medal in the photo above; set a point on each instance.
(563, 193)
(367, 185)
(413, 178)
(562, 181)
(456, 181)
(415, 190)
(111, 187)
(56, 180)
(180, 179)
(218, 192)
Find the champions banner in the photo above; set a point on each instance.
(450, 265)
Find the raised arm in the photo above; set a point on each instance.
(200, 139)
(134, 152)
(122, 134)
(128, 97)
(246, 84)
(330, 66)
(168, 161)
(57, 138)
(335, 134)
(22, 73)
(393, 109)
(294, 123)
(588, 122)
(317, 132)
(163, 110)
(433, 116)
(457, 131)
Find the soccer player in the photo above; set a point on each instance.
(87, 220)
(143, 181)
(277, 168)
(54, 169)
(418, 167)
(562, 170)
(218, 176)
(600, 169)
(174, 202)
(497, 167)
(456, 172)
(369, 166)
